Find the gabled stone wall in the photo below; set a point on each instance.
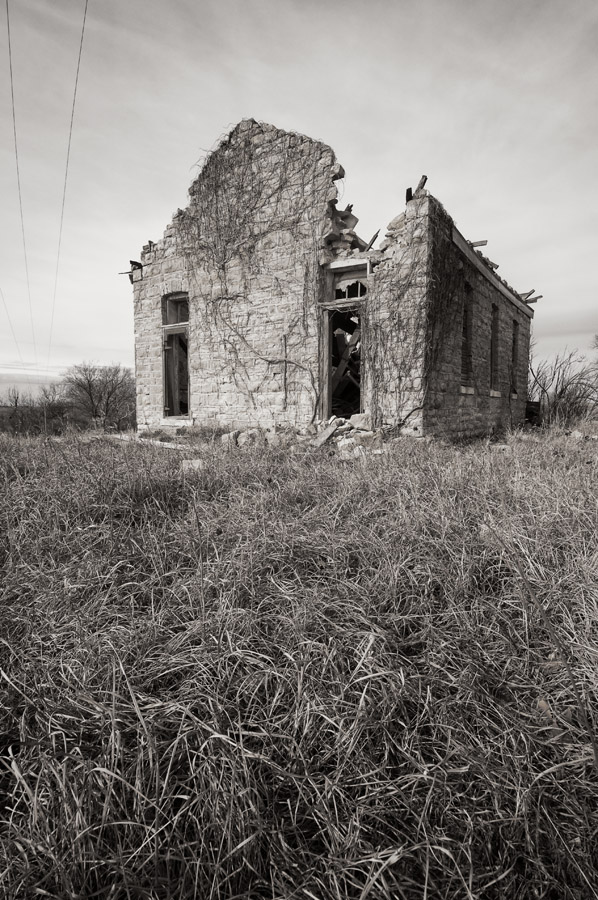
(247, 251)
(257, 252)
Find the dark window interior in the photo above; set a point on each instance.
(175, 309)
(466, 339)
(494, 383)
(514, 356)
(176, 374)
(351, 291)
(175, 312)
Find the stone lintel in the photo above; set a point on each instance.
(345, 265)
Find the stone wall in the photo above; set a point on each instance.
(252, 250)
(467, 407)
(396, 317)
(247, 251)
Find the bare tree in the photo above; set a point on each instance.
(53, 408)
(101, 395)
(21, 416)
(566, 387)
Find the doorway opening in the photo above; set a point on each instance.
(344, 329)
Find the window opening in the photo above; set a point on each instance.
(494, 386)
(344, 327)
(466, 339)
(514, 356)
(350, 291)
(175, 309)
(175, 334)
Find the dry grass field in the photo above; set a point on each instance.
(287, 676)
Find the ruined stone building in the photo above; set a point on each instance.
(261, 306)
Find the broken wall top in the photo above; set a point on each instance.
(259, 180)
(402, 231)
(263, 184)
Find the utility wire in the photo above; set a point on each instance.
(66, 175)
(14, 128)
(11, 328)
(21, 365)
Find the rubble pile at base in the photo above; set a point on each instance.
(347, 438)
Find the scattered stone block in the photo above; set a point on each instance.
(274, 439)
(346, 448)
(368, 438)
(346, 444)
(230, 438)
(361, 420)
(253, 437)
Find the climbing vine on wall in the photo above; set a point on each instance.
(251, 245)
(410, 309)
(254, 226)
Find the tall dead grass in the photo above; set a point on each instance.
(299, 678)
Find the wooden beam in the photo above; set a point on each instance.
(477, 243)
(344, 360)
(341, 319)
(341, 344)
(323, 436)
(371, 243)
(480, 265)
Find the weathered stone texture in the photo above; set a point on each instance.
(246, 250)
(253, 251)
(395, 314)
(455, 409)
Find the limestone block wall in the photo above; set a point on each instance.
(251, 252)
(395, 322)
(247, 252)
(466, 407)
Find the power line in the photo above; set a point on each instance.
(21, 366)
(25, 367)
(14, 128)
(66, 174)
(11, 328)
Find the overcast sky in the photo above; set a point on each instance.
(496, 101)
